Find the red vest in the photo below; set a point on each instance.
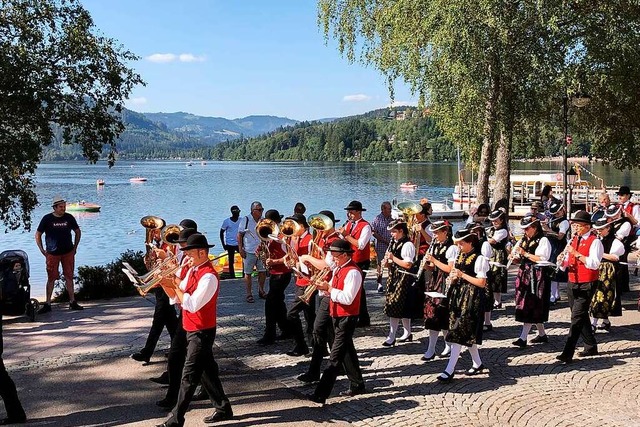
(341, 310)
(205, 318)
(302, 248)
(359, 255)
(275, 252)
(629, 208)
(324, 243)
(182, 273)
(578, 272)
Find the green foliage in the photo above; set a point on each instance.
(59, 80)
(108, 281)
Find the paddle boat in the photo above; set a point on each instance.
(138, 179)
(408, 186)
(83, 206)
(100, 182)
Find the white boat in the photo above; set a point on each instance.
(138, 179)
(440, 210)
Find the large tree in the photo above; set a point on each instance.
(59, 79)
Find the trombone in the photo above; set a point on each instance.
(143, 284)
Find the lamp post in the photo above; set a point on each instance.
(571, 177)
(579, 100)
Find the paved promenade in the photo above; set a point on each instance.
(72, 369)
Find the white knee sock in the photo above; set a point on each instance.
(497, 296)
(540, 328)
(393, 328)
(525, 331)
(433, 339)
(406, 324)
(475, 356)
(447, 346)
(594, 321)
(453, 358)
(487, 318)
(555, 293)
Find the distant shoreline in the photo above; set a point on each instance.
(557, 159)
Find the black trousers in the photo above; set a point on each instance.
(8, 390)
(177, 355)
(163, 316)
(342, 352)
(364, 318)
(199, 361)
(231, 250)
(295, 324)
(323, 334)
(580, 295)
(275, 309)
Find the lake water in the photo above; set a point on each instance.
(205, 193)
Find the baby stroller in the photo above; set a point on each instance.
(15, 290)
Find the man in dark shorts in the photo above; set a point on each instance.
(60, 249)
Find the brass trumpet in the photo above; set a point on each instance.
(152, 279)
(312, 287)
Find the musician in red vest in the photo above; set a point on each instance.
(582, 260)
(198, 295)
(632, 211)
(357, 231)
(345, 290)
(301, 243)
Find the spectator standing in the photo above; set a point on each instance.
(248, 242)
(60, 249)
(382, 236)
(229, 238)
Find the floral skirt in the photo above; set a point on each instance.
(466, 314)
(533, 292)
(606, 298)
(436, 310)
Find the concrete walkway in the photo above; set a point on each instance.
(72, 369)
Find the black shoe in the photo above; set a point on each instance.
(426, 359)
(363, 323)
(487, 328)
(353, 392)
(587, 353)
(540, 339)
(266, 341)
(73, 305)
(308, 378)
(520, 343)
(166, 403)
(605, 327)
(140, 357)
(409, 338)
(445, 353)
(296, 352)
(13, 420)
(162, 379)
(497, 306)
(445, 377)
(46, 308)
(564, 358)
(218, 416)
(475, 371)
(389, 344)
(316, 399)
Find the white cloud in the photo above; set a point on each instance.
(162, 57)
(189, 57)
(138, 101)
(356, 98)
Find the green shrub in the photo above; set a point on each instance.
(100, 282)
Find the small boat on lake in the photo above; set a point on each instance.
(408, 186)
(100, 182)
(83, 206)
(138, 179)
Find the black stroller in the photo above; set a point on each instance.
(15, 290)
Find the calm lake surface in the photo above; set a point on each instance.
(205, 193)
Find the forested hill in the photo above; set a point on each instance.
(404, 133)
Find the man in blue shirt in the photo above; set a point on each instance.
(229, 238)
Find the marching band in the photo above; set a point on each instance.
(460, 277)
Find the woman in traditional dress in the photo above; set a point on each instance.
(606, 298)
(487, 251)
(533, 281)
(498, 237)
(440, 259)
(397, 306)
(466, 301)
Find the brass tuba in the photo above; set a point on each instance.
(151, 223)
(410, 209)
(171, 233)
(320, 223)
(290, 228)
(266, 230)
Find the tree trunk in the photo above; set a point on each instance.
(501, 192)
(488, 140)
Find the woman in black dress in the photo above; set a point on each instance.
(466, 302)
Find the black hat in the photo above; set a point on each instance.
(330, 215)
(624, 190)
(439, 225)
(555, 207)
(601, 223)
(474, 225)
(497, 214)
(528, 221)
(398, 223)
(189, 223)
(340, 245)
(300, 219)
(235, 208)
(185, 233)
(426, 209)
(197, 241)
(354, 205)
(581, 216)
(273, 215)
(463, 234)
(612, 210)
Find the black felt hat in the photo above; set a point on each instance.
(331, 216)
(398, 223)
(300, 219)
(528, 221)
(497, 214)
(612, 210)
(273, 215)
(581, 216)
(463, 234)
(185, 233)
(197, 241)
(340, 245)
(439, 225)
(601, 223)
(189, 223)
(624, 190)
(555, 207)
(354, 205)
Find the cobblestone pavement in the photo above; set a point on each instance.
(72, 369)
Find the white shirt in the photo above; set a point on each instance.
(452, 253)
(635, 212)
(544, 249)
(481, 267)
(352, 283)
(206, 289)
(408, 252)
(365, 234)
(486, 249)
(247, 228)
(624, 230)
(500, 235)
(617, 248)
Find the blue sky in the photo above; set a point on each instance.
(237, 58)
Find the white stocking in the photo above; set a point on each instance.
(475, 356)
(540, 328)
(393, 328)
(555, 293)
(525, 331)
(406, 324)
(487, 318)
(453, 358)
(433, 339)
